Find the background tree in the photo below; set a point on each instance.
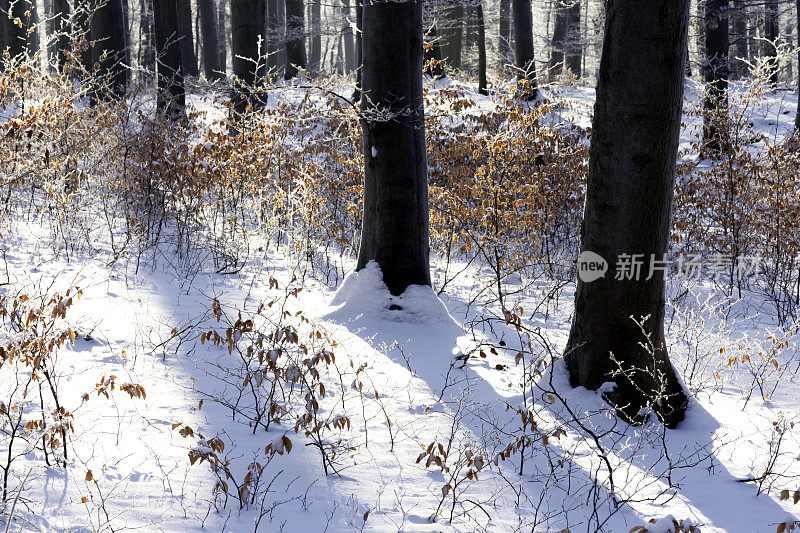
(110, 48)
(451, 29)
(171, 90)
(247, 29)
(295, 38)
(395, 219)
(716, 72)
(634, 144)
(210, 39)
(482, 86)
(61, 30)
(523, 49)
(504, 37)
(797, 33)
(187, 38)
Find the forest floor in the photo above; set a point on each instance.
(394, 378)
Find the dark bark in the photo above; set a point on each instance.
(482, 88)
(567, 52)
(395, 222)
(451, 30)
(739, 41)
(187, 38)
(247, 27)
(210, 35)
(33, 38)
(523, 49)
(504, 39)
(109, 52)
(629, 193)
(716, 72)
(771, 34)
(147, 46)
(315, 50)
(295, 38)
(347, 38)
(171, 91)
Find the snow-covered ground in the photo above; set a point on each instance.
(435, 372)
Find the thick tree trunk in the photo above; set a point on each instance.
(110, 49)
(186, 36)
(567, 53)
(315, 51)
(482, 88)
(347, 38)
(295, 38)
(716, 72)
(208, 23)
(223, 35)
(147, 50)
(771, 34)
(740, 44)
(629, 192)
(395, 222)
(451, 30)
(574, 50)
(523, 49)
(504, 39)
(171, 92)
(247, 26)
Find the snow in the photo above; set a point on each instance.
(410, 394)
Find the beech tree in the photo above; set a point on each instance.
(247, 27)
(169, 64)
(295, 39)
(188, 56)
(715, 103)
(109, 50)
(395, 218)
(797, 114)
(210, 39)
(632, 161)
(523, 49)
(15, 33)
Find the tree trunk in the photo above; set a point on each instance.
(559, 38)
(716, 72)
(574, 49)
(347, 37)
(186, 36)
(295, 43)
(395, 219)
(482, 88)
(223, 35)
(771, 34)
(504, 39)
(315, 51)
(739, 12)
(208, 23)
(451, 30)
(523, 49)
(147, 51)
(171, 92)
(632, 160)
(247, 26)
(110, 49)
